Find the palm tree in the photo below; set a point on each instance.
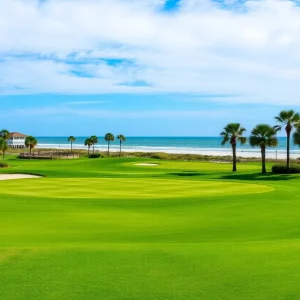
(30, 142)
(88, 142)
(233, 133)
(109, 137)
(72, 139)
(122, 139)
(94, 140)
(289, 119)
(296, 136)
(264, 136)
(3, 146)
(5, 134)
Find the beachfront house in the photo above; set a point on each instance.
(16, 140)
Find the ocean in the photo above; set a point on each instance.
(161, 144)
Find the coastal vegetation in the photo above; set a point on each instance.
(109, 137)
(122, 139)
(5, 134)
(3, 146)
(88, 143)
(30, 142)
(71, 139)
(122, 230)
(94, 140)
(263, 136)
(288, 119)
(233, 134)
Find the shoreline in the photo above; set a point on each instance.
(243, 153)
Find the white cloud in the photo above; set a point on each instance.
(246, 50)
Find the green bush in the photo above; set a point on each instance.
(3, 165)
(159, 155)
(282, 169)
(96, 155)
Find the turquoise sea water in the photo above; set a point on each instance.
(168, 144)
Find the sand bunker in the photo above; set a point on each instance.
(16, 176)
(147, 165)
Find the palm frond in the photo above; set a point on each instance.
(242, 140)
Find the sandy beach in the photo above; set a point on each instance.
(245, 153)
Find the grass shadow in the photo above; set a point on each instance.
(260, 176)
(187, 173)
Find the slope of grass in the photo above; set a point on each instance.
(109, 229)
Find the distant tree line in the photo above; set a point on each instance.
(109, 137)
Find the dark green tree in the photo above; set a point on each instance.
(109, 137)
(3, 147)
(122, 139)
(233, 133)
(94, 141)
(5, 134)
(30, 142)
(263, 136)
(287, 119)
(88, 142)
(71, 139)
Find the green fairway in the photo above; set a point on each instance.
(111, 229)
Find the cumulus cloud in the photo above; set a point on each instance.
(247, 50)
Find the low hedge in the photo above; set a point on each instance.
(96, 155)
(3, 165)
(282, 169)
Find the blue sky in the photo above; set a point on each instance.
(146, 67)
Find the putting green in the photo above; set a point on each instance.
(133, 188)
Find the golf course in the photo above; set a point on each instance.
(141, 229)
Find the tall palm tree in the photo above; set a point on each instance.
(30, 142)
(109, 137)
(289, 119)
(3, 146)
(233, 133)
(71, 139)
(94, 140)
(5, 134)
(122, 139)
(264, 136)
(88, 142)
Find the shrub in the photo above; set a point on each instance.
(3, 165)
(96, 155)
(282, 169)
(160, 155)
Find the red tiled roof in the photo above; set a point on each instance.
(17, 134)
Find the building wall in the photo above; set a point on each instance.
(16, 142)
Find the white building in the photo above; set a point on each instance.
(17, 140)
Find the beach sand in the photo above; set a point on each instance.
(246, 153)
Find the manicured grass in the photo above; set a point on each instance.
(108, 229)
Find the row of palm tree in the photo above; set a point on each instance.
(91, 141)
(264, 136)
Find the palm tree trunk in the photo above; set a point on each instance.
(88, 150)
(71, 147)
(30, 152)
(120, 148)
(288, 150)
(108, 147)
(93, 148)
(233, 158)
(263, 159)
